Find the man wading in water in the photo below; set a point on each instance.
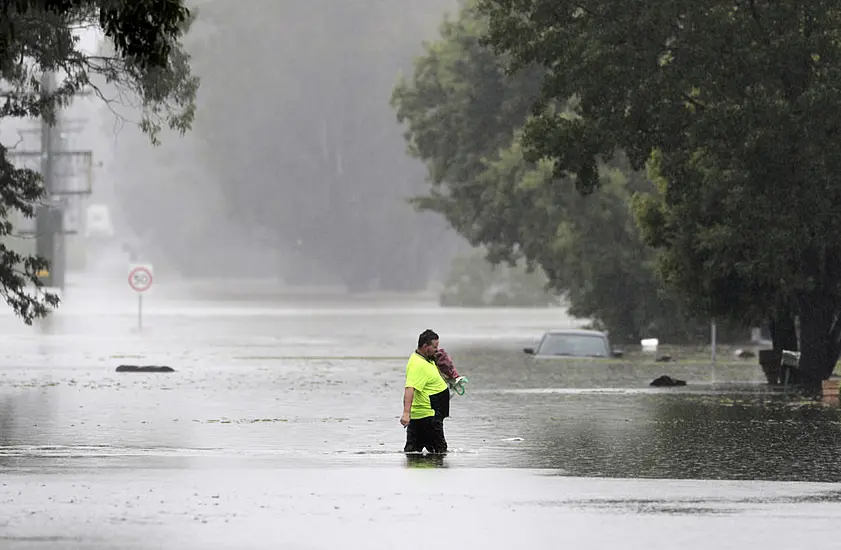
(426, 399)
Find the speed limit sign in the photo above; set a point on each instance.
(140, 277)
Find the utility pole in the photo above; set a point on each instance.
(48, 217)
(62, 185)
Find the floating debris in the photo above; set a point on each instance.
(666, 381)
(147, 368)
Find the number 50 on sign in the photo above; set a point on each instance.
(140, 277)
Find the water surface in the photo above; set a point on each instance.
(282, 418)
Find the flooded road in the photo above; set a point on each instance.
(279, 429)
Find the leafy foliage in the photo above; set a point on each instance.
(147, 64)
(475, 282)
(735, 106)
(464, 114)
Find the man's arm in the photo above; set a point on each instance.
(408, 396)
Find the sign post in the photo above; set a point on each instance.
(713, 338)
(140, 280)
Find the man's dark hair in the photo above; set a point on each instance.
(426, 337)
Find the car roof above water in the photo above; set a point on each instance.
(579, 331)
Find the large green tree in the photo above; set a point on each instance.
(147, 64)
(463, 115)
(737, 103)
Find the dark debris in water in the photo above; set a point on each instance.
(144, 368)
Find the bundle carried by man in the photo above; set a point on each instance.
(449, 373)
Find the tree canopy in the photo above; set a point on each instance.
(464, 113)
(734, 106)
(147, 66)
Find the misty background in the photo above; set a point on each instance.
(296, 168)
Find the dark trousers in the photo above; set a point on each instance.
(426, 432)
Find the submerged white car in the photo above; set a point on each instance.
(574, 343)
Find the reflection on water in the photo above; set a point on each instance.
(425, 460)
(691, 437)
(286, 385)
(600, 419)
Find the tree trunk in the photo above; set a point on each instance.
(784, 333)
(783, 337)
(819, 332)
